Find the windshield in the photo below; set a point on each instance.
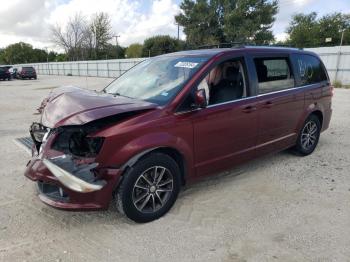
(157, 79)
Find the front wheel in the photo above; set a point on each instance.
(149, 188)
(308, 136)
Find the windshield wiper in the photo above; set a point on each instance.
(118, 94)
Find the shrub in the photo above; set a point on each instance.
(337, 84)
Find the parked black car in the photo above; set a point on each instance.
(26, 72)
(5, 73)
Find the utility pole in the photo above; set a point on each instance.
(338, 57)
(178, 31)
(342, 37)
(116, 43)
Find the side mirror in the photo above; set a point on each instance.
(200, 99)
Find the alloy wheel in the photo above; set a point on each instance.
(309, 135)
(152, 189)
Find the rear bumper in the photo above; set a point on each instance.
(326, 119)
(64, 192)
(27, 75)
(5, 76)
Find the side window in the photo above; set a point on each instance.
(310, 69)
(225, 82)
(274, 74)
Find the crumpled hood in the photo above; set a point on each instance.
(75, 106)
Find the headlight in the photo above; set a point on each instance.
(38, 132)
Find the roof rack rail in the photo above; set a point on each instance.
(243, 44)
(224, 45)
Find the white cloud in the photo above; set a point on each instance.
(30, 21)
(287, 8)
(133, 20)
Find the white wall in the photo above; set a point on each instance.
(333, 58)
(102, 68)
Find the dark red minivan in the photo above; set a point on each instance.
(173, 119)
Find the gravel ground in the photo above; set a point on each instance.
(276, 208)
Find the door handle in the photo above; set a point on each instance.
(268, 104)
(249, 109)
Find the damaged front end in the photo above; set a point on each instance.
(64, 165)
(67, 162)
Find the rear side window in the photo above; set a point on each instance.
(274, 74)
(310, 69)
(30, 69)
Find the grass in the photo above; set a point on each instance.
(339, 84)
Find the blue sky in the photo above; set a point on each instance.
(133, 20)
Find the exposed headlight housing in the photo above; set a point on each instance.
(76, 141)
(38, 132)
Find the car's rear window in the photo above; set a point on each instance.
(274, 74)
(2, 69)
(310, 69)
(30, 69)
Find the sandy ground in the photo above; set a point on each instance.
(277, 208)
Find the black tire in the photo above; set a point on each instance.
(159, 202)
(303, 147)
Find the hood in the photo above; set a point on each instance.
(75, 106)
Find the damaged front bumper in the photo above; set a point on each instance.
(70, 180)
(71, 183)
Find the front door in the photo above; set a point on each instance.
(225, 132)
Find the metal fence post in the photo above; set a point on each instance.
(107, 63)
(337, 65)
(78, 69)
(97, 68)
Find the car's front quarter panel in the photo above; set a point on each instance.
(148, 132)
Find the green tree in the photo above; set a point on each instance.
(2, 56)
(217, 21)
(302, 30)
(202, 22)
(332, 26)
(160, 44)
(306, 30)
(134, 51)
(250, 21)
(21, 53)
(98, 35)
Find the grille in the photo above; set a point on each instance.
(25, 143)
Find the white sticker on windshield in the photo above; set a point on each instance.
(186, 64)
(165, 94)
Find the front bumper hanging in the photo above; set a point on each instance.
(69, 180)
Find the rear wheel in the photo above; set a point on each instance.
(308, 136)
(149, 188)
